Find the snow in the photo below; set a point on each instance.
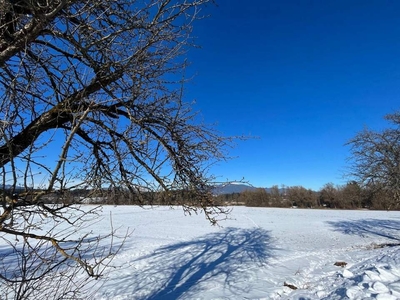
(253, 254)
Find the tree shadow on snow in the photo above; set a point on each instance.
(227, 258)
(388, 229)
(42, 255)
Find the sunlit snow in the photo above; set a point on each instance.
(256, 252)
(259, 253)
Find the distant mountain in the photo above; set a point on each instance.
(230, 188)
(9, 187)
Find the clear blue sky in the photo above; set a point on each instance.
(302, 76)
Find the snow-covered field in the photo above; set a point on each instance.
(252, 255)
(258, 253)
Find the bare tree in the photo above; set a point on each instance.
(328, 196)
(91, 98)
(375, 160)
(257, 197)
(301, 197)
(350, 195)
(277, 198)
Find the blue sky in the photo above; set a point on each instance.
(301, 76)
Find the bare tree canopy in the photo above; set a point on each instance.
(104, 78)
(375, 159)
(91, 97)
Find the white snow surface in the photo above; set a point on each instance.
(255, 254)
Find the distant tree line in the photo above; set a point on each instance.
(348, 196)
(108, 196)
